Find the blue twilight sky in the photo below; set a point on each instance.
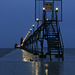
(17, 17)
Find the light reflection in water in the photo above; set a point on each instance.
(46, 65)
(39, 67)
(33, 68)
(46, 71)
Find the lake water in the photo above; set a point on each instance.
(20, 62)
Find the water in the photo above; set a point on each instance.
(20, 62)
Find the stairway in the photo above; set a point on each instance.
(54, 45)
(54, 40)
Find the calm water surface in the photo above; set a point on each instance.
(20, 62)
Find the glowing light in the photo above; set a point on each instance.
(30, 29)
(37, 68)
(33, 25)
(24, 55)
(26, 60)
(37, 19)
(44, 9)
(47, 19)
(56, 9)
(22, 44)
(46, 71)
(46, 65)
(28, 32)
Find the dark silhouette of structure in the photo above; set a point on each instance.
(21, 41)
(49, 30)
(15, 45)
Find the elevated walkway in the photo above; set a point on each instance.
(49, 30)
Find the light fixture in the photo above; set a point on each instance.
(44, 9)
(30, 29)
(28, 32)
(37, 19)
(56, 10)
(33, 25)
(47, 19)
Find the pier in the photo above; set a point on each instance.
(48, 15)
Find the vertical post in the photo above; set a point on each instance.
(36, 46)
(49, 49)
(33, 28)
(21, 41)
(62, 54)
(31, 31)
(41, 47)
(50, 54)
(58, 31)
(37, 22)
(53, 11)
(44, 14)
(28, 34)
(44, 19)
(32, 43)
(61, 10)
(35, 9)
(32, 36)
(36, 37)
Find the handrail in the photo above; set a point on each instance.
(59, 31)
(34, 32)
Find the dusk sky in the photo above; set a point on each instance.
(17, 17)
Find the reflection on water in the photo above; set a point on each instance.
(46, 71)
(41, 67)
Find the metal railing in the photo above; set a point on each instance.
(59, 32)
